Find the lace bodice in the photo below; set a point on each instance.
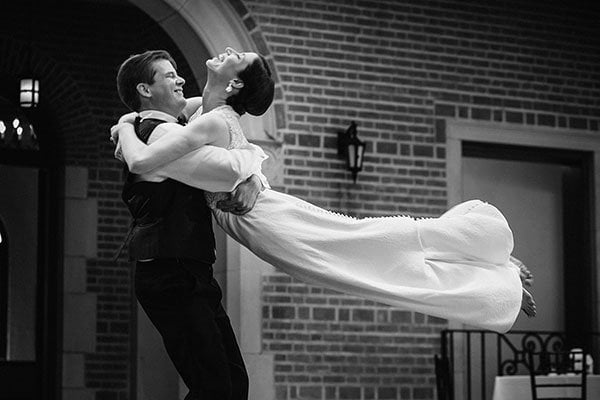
(236, 134)
(236, 140)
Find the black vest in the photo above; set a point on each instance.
(170, 219)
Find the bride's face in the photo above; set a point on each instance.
(230, 63)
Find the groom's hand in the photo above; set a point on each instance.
(243, 197)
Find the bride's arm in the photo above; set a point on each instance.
(216, 169)
(211, 168)
(178, 141)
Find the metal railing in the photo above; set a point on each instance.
(471, 359)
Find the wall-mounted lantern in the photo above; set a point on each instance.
(353, 149)
(29, 93)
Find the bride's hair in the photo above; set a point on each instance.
(136, 69)
(257, 94)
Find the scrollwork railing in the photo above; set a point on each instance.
(480, 358)
(539, 342)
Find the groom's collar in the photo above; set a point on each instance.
(155, 114)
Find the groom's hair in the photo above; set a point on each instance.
(138, 68)
(257, 94)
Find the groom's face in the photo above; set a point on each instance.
(166, 92)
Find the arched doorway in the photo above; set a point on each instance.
(214, 25)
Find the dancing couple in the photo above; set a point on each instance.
(458, 266)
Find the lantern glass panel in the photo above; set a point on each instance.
(26, 85)
(351, 156)
(359, 156)
(25, 99)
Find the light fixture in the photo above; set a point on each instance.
(29, 92)
(352, 149)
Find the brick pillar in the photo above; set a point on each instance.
(79, 326)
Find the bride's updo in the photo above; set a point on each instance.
(257, 94)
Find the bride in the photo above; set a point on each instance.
(458, 266)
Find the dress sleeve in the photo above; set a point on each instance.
(215, 169)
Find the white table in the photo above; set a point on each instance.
(518, 387)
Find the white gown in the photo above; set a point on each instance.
(455, 267)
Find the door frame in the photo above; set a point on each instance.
(459, 131)
(46, 369)
(40, 378)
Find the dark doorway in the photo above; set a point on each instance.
(29, 259)
(574, 170)
(3, 291)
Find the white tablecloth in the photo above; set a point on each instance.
(517, 387)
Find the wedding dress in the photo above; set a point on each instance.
(455, 267)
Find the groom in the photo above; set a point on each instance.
(172, 239)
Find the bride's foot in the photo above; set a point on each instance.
(524, 272)
(528, 304)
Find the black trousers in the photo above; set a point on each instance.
(183, 301)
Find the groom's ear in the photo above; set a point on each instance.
(143, 90)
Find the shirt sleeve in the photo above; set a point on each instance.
(215, 169)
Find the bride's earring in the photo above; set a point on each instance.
(234, 84)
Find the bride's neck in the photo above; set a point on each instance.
(212, 98)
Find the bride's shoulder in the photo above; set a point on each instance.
(226, 110)
(210, 119)
(227, 114)
(209, 128)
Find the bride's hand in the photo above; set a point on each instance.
(128, 118)
(114, 134)
(114, 130)
(119, 153)
(114, 138)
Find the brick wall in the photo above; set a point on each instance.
(78, 48)
(329, 346)
(394, 67)
(398, 68)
